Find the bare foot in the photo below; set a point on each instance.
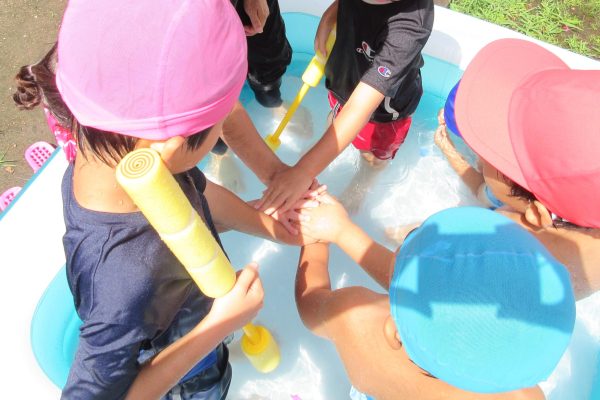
(398, 233)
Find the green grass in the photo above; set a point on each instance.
(572, 24)
(4, 163)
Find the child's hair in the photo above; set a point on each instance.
(36, 83)
(520, 192)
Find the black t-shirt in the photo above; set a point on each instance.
(381, 45)
(134, 297)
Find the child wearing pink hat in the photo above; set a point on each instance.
(147, 74)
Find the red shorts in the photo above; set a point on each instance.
(383, 139)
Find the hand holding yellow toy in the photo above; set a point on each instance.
(148, 182)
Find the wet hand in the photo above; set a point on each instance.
(290, 218)
(285, 189)
(326, 222)
(442, 140)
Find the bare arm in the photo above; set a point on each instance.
(241, 135)
(345, 127)
(330, 222)
(313, 287)
(232, 213)
(375, 259)
(163, 372)
(467, 173)
(228, 313)
(287, 186)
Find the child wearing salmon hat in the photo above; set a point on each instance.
(163, 74)
(534, 124)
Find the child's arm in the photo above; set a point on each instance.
(330, 222)
(322, 310)
(227, 314)
(241, 135)
(230, 212)
(467, 173)
(328, 21)
(313, 287)
(287, 186)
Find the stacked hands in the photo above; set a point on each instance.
(316, 216)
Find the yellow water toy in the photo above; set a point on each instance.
(311, 77)
(148, 182)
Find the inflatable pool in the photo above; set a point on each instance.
(416, 184)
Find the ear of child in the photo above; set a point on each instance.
(390, 332)
(538, 215)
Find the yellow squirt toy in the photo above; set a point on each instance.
(311, 77)
(149, 183)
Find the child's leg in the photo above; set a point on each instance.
(269, 54)
(382, 140)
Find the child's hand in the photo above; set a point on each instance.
(292, 216)
(326, 24)
(258, 11)
(326, 222)
(241, 304)
(442, 140)
(286, 188)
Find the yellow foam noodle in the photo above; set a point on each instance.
(149, 183)
(260, 348)
(151, 186)
(192, 245)
(215, 278)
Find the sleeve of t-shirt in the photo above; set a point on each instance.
(405, 38)
(105, 363)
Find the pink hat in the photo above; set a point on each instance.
(151, 69)
(523, 110)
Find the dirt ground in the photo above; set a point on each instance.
(28, 28)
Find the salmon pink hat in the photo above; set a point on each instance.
(151, 69)
(523, 110)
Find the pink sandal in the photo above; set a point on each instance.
(37, 154)
(8, 196)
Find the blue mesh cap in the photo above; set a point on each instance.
(479, 303)
(449, 111)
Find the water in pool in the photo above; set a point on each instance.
(417, 183)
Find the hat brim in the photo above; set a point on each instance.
(484, 95)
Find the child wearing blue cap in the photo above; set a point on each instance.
(477, 308)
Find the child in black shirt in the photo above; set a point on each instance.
(373, 73)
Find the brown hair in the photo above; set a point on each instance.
(520, 192)
(36, 83)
